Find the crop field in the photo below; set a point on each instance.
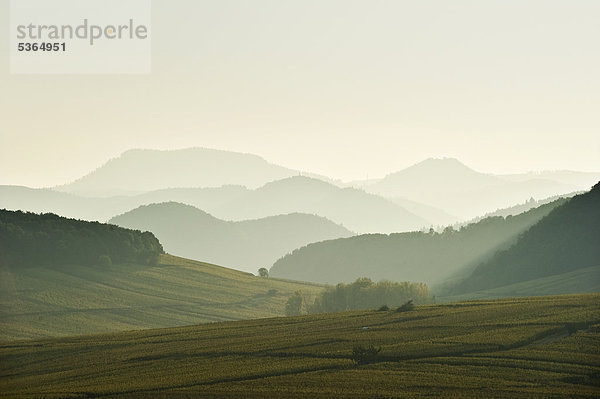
(514, 348)
(58, 301)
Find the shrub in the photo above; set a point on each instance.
(364, 355)
(406, 307)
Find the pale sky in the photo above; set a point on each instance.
(344, 88)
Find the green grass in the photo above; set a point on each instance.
(49, 302)
(514, 348)
(586, 280)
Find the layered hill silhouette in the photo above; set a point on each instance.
(418, 256)
(103, 208)
(355, 209)
(230, 185)
(246, 245)
(461, 191)
(566, 240)
(138, 171)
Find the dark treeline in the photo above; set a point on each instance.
(29, 239)
(415, 256)
(366, 294)
(361, 294)
(567, 239)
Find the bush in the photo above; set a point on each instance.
(364, 355)
(406, 307)
(384, 308)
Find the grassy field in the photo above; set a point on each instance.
(586, 280)
(50, 302)
(514, 348)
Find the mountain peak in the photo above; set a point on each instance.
(140, 170)
(441, 164)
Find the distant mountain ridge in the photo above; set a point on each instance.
(137, 171)
(449, 185)
(246, 245)
(434, 192)
(355, 209)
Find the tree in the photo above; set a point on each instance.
(294, 304)
(263, 272)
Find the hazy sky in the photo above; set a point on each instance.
(340, 87)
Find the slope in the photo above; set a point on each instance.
(354, 209)
(585, 280)
(567, 239)
(46, 302)
(248, 245)
(137, 171)
(519, 348)
(418, 256)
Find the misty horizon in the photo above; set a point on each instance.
(333, 178)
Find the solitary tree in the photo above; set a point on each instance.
(263, 272)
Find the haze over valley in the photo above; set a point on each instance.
(300, 199)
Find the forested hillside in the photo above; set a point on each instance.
(567, 239)
(418, 256)
(29, 239)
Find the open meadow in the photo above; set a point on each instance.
(514, 348)
(40, 302)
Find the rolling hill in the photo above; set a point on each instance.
(544, 347)
(62, 276)
(354, 209)
(37, 302)
(41, 200)
(137, 171)
(417, 256)
(567, 239)
(29, 240)
(247, 245)
(449, 185)
(584, 280)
